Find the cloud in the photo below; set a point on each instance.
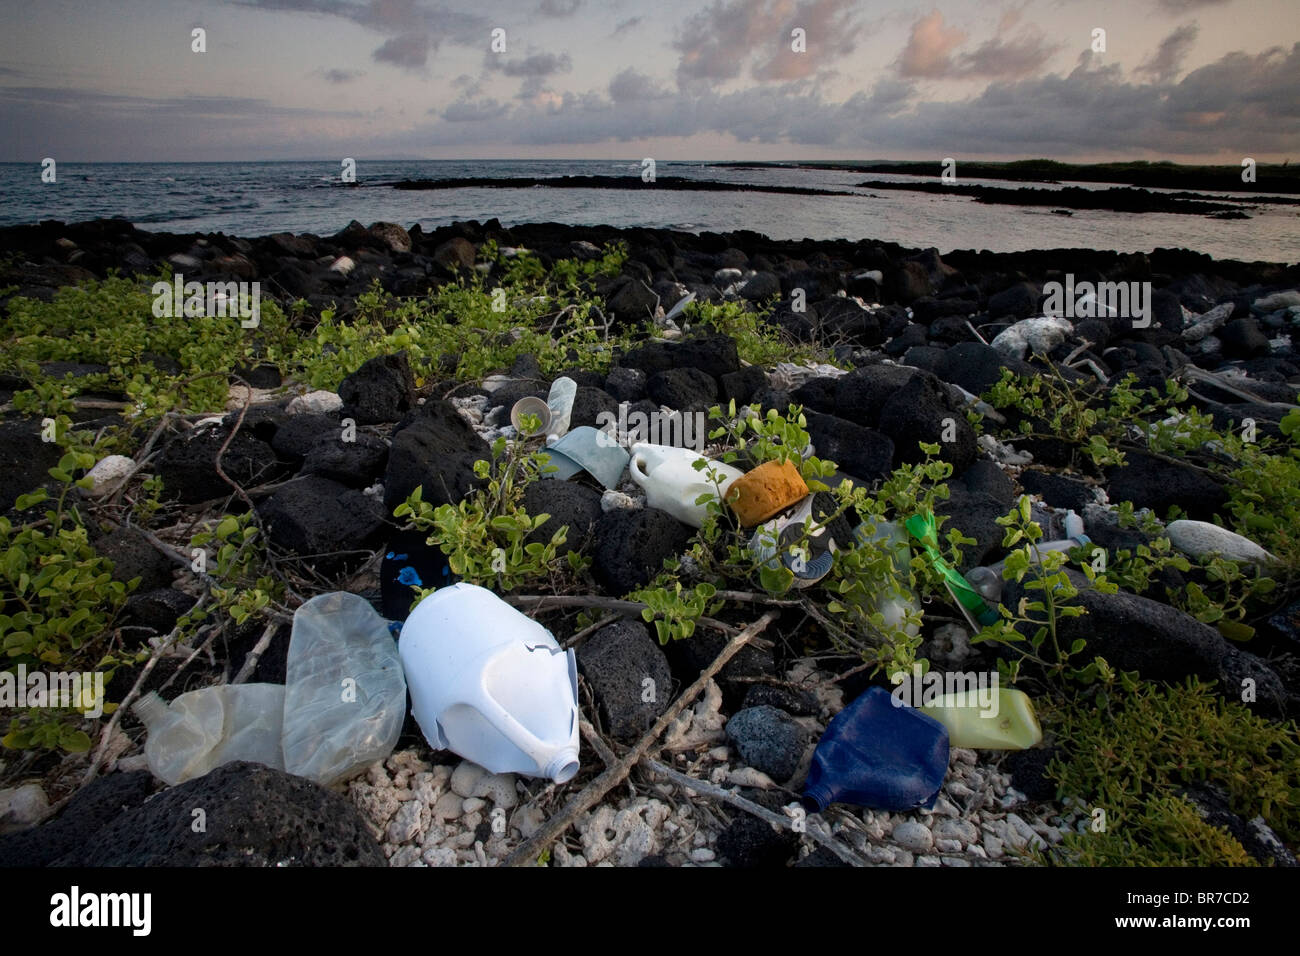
(719, 43)
(1165, 62)
(559, 8)
(534, 65)
(1182, 6)
(409, 50)
(929, 48)
(414, 29)
(340, 76)
(1012, 58)
(627, 24)
(474, 111)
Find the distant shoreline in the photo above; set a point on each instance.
(1269, 178)
(609, 182)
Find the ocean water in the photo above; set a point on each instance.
(253, 199)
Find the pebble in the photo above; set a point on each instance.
(702, 855)
(992, 846)
(448, 807)
(956, 829)
(928, 861)
(913, 836)
(472, 804)
(108, 474)
(318, 402)
(465, 777)
(22, 807)
(948, 846)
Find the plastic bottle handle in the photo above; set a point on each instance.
(635, 469)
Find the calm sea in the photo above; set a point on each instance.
(251, 199)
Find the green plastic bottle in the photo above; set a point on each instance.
(1004, 720)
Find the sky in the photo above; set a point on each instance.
(1188, 80)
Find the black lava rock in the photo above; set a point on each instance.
(187, 465)
(589, 404)
(860, 396)
(685, 389)
(769, 740)
(381, 390)
(1029, 772)
(922, 410)
(569, 503)
(357, 463)
(1242, 338)
(103, 800)
(253, 816)
(626, 384)
(1149, 482)
(134, 557)
(751, 843)
(1059, 491)
(976, 514)
(1020, 301)
(299, 433)
(741, 386)
(157, 609)
(316, 516)
(860, 451)
(800, 703)
(629, 677)
(972, 365)
(985, 477)
(436, 450)
(631, 547)
(24, 460)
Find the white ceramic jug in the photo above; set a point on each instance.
(671, 482)
(491, 684)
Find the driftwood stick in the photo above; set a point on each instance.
(590, 795)
(255, 655)
(736, 800)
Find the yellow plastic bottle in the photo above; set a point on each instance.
(1004, 720)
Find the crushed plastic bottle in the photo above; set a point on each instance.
(345, 696)
(206, 728)
(878, 753)
(1006, 722)
(491, 684)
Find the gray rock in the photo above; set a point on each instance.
(684, 389)
(634, 301)
(24, 459)
(769, 740)
(913, 836)
(626, 384)
(759, 286)
(569, 504)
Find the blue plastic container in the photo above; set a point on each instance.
(878, 753)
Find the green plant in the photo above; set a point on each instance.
(241, 585)
(486, 535)
(1046, 575)
(59, 603)
(675, 610)
(1131, 754)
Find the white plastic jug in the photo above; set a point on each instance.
(671, 482)
(491, 684)
(206, 728)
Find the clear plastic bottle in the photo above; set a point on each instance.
(204, 729)
(345, 696)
